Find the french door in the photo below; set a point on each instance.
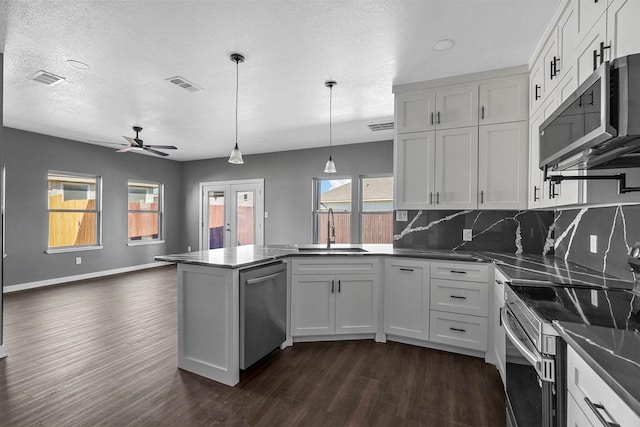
(232, 213)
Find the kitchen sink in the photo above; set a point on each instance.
(342, 250)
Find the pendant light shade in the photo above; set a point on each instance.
(330, 167)
(236, 156)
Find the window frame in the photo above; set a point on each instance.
(315, 205)
(361, 210)
(160, 212)
(97, 211)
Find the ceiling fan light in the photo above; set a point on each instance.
(330, 167)
(236, 156)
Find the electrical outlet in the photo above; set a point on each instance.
(467, 234)
(188, 248)
(266, 214)
(593, 244)
(78, 260)
(402, 215)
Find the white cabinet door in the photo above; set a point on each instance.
(504, 100)
(356, 304)
(550, 55)
(622, 27)
(590, 11)
(415, 111)
(313, 305)
(499, 337)
(457, 107)
(535, 174)
(502, 166)
(406, 298)
(457, 168)
(536, 84)
(575, 416)
(414, 172)
(589, 47)
(568, 38)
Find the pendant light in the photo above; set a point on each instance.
(236, 156)
(330, 167)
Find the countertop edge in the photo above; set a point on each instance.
(617, 388)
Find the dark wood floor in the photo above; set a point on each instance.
(103, 352)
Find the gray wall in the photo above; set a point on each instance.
(288, 179)
(29, 157)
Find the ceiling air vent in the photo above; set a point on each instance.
(375, 127)
(184, 84)
(47, 78)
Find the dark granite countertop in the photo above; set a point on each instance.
(613, 353)
(250, 255)
(540, 269)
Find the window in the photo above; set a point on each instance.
(74, 210)
(334, 194)
(376, 209)
(144, 211)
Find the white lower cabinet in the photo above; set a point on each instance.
(591, 395)
(575, 416)
(459, 330)
(499, 337)
(406, 298)
(333, 304)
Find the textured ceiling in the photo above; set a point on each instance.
(291, 48)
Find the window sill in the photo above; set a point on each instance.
(144, 242)
(73, 249)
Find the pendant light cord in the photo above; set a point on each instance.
(237, 103)
(330, 115)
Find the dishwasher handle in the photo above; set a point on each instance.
(264, 278)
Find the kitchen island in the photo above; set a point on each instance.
(209, 297)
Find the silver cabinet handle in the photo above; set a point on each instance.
(597, 410)
(531, 357)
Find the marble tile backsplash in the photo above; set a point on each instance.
(617, 228)
(518, 232)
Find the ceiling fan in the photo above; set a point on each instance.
(136, 144)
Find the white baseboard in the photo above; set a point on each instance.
(3, 352)
(67, 279)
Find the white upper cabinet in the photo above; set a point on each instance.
(415, 111)
(504, 100)
(590, 11)
(551, 63)
(456, 168)
(456, 107)
(623, 29)
(503, 185)
(437, 168)
(536, 84)
(414, 170)
(593, 50)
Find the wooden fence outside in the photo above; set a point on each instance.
(376, 227)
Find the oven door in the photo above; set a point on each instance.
(530, 379)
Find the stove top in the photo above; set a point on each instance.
(610, 308)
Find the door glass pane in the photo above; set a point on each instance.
(245, 217)
(216, 219)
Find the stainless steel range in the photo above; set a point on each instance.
(536, 356)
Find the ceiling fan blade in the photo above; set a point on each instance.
(164, 147)
(159, 153)
(124, 150)
(119, 144)
(134, 142)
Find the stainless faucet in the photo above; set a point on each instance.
(331, 228)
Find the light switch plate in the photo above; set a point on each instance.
(593, 244)
(467, 234)
(402, 215)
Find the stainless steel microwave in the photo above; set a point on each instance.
(598, 125)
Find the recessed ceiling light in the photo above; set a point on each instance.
(77, 64)
(444, 44)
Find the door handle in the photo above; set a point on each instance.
(482, 112)
(536, 92)
(333, 284)
(263, 278)
(339, 286)
(536, 196)
(438, 117)
(406, 269)
(457, 297)
(481, 196)
(432, 118)
(437, 197)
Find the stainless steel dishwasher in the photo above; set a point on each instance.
(263, 314)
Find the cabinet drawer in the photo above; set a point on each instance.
(575, 416)
(459, 330)
(584, 383)
(335, 265)
(468, 272)
(460, 297)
